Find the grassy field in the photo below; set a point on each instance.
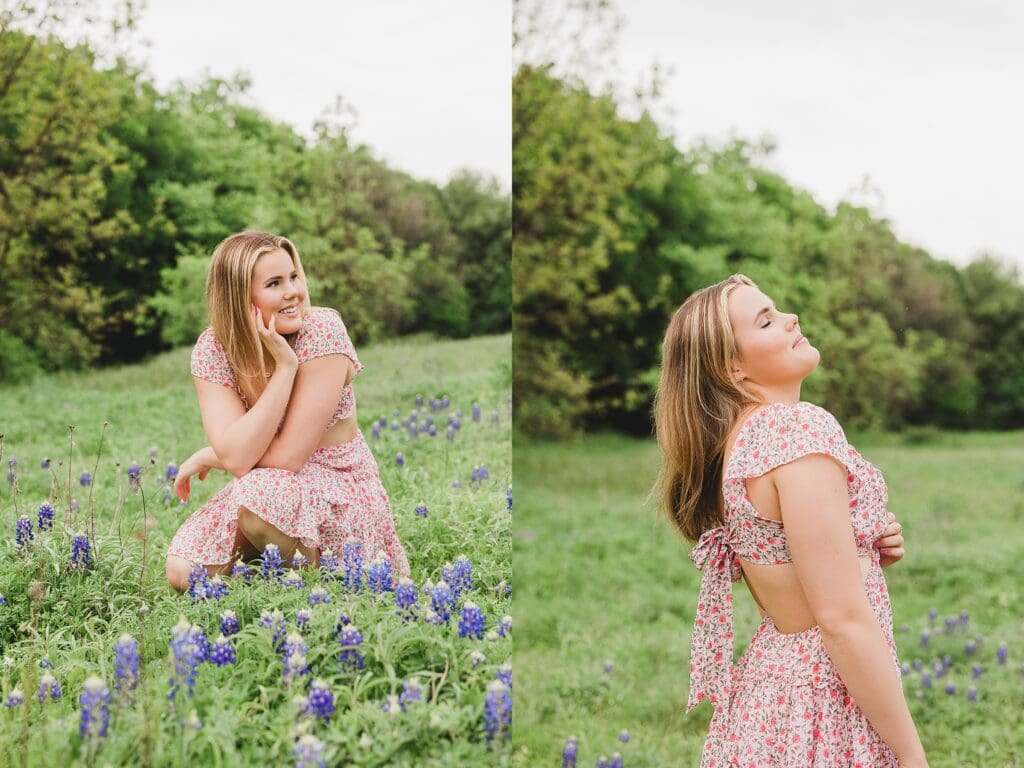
(56, 621)
(606, 594)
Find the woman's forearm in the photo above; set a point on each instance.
(249, 437)
(862, 657)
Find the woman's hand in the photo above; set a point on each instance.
(191, 466)
(890, 543)
(277, 345)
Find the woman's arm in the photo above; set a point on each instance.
(814, 504)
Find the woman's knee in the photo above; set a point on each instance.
(178, 569)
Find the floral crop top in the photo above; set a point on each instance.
(777, 434)
(322, 333)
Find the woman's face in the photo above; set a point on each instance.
(278, 291)
(772, 351)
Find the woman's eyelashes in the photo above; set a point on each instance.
(273, 283)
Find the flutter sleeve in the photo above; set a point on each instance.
(325, 334)
(210, 361)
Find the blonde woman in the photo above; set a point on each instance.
(772, 493)
(273, 375)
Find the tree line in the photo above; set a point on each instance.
(113, 195)
(614, 226)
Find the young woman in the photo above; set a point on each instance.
(772, 493)
(273, 376)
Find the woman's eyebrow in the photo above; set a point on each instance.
(762, 311)
(277, 277)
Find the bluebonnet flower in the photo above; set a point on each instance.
(302, 618)
(471, 623)
(339, 626)
(421, 510)
(505, 625)
(45, 663)
(476, 411)
(202, 645)
(926, 680)
(275, 620)
(405, 423)
(477, 658)
(309, 752)
(951, 623)
(45, 463)
(947, 661)
(240, 570)
(450, 434)
(185, 656)
(294, 580)
(222, 652)
(480, 474)
(134, 475)
(228, 623)
(602, 762)
(419, 401)
(383, 421)
(350, 640)
(951, 688)
(375, 431)
(504, 674)
(399, 459)
(165, 498)
(972, 694)
(917, 665)
(508, 497)
(394, 425)
(45, 517)
(970, 647)
(964, 618)
(328, 564)
(352, 562)
(392, 705)
(445, 402)
(904, 670)
(320, 702)
(414, 415)
(270, 562)
(406, 597)
(624, 736)
(295, 651)
(15, 698)
(925, 637)
(23, 535)
(412, 691)
(94, 701)
(299, 560)
(459, 576)
(126, 664)
(81, 555)
(73, 506)
(442, 599)
(432, 430)
(319, 595)
(609, 665)
(198, 580)
(216, 588)
(48, 688)
(569, 753)
(378, 575)
(12, 475)
(3, 600)
(497, 711)
(152, 453)
(1002, 652)
(171, 472)
(616, 761)
(456, 484)
(976, 671)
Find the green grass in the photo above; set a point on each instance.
(247, 716)
(600, 578)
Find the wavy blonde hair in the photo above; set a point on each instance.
(229, 296)
(696, 404)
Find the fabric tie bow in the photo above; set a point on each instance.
(711, 646)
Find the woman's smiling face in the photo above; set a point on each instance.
(278, 290)
(772, 351)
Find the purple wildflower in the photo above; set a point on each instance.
(616, 761)
(964, 618)
(302, 618)
(508, 497)
(1002, 653)
(328, 564)
(186, 655)
(240, 570)
(216, 588)
(134, 476)
(339, 626)
(3, 600)
(295, 651)
(497, 711)
(504, 674)
(951, 623)
(73, 506)
(94, 700)
(198, 580)
(318, 596)
(976, 671)
(471, 623)
(951, 688)
(275, 620)
(442, 599)
(228, 623)
(505, 626)
(222, 652)
(421, 510)
(294, 580)
(45, 517)
(309, 752)
(126, 664)
(45, 463)
(399, 459)
(152, 452)
(926, 680)
(171, 472)
(569, 753)
(299, 560)
(350, 640)
(419, 401)
(476, 411)
(375, 431)
(81, 556)
(270, 563)
(970, 647)
(15, 698)
(480, 474)
(23, 535)
(972, 694)
(609, 665)
(48, 688)
(352, 562)
(458, 576)
(320, 702)
(412, 691)
(624, 736)
(406, 597)
(378, 575)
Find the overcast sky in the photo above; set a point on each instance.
(430, 80)
(922, 98)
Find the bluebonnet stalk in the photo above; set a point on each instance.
(3, 600)
(476, 411)
(394, 425)
(480, 474)
(48, 688)
(569, 753)
(94, 701)
(201, 643)
(320, 702)
(624, 736)
(339, 626)
(185, 656)
(85, 479)
(450, 434)
(442, 599)
(609, 665)
(383, 421)
(445, 402)
(399, 459)
(240, 570)
(350, 640)
(951, 688)
(45, 517)
(12, 474)
(972, 694)
(15, 698)
(228, 623)
(295, 651)
(504, 674)
(152, 452)
(602, 762)
(216, 588)
(73, 505)
(328, 564)
(45, 463)
(1001, 653)
(319, 595)
(926, 679)
(309, 752)
(616, 761)
(222, 651)
(505, 626)
(459, 576)
(925, 637)
(471, 623)
(477, 658)
(412, 691)
(432, 430)
(421, 510)
(508, 497)
(126, 664)
(198, 580)
(294, 580)
(456, 484)
(970, 647)
(419, 401)
(976, 671)
(134, 476)
(375, 431)
(81, 555)
(378, 575)
(270, 562)
(302, 618)
(275, 620)
(352, 562)
(23, 535)
(171, 472)
(299, 560)
(392, 705)
(964, 618)
(406, 597)
(497, 711)
(45, 663)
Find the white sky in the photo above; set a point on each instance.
(923, 98)
(430, 80)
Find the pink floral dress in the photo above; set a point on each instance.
(783, 704)
(337, 494)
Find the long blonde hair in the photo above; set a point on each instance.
(697, 402)
(229, 296)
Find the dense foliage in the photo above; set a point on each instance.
(113, 195)
(614, 226)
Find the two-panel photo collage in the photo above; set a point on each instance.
(520, 383)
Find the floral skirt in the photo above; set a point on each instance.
(337, 494)
(788, 706)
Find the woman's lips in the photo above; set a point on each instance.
(799, 341)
